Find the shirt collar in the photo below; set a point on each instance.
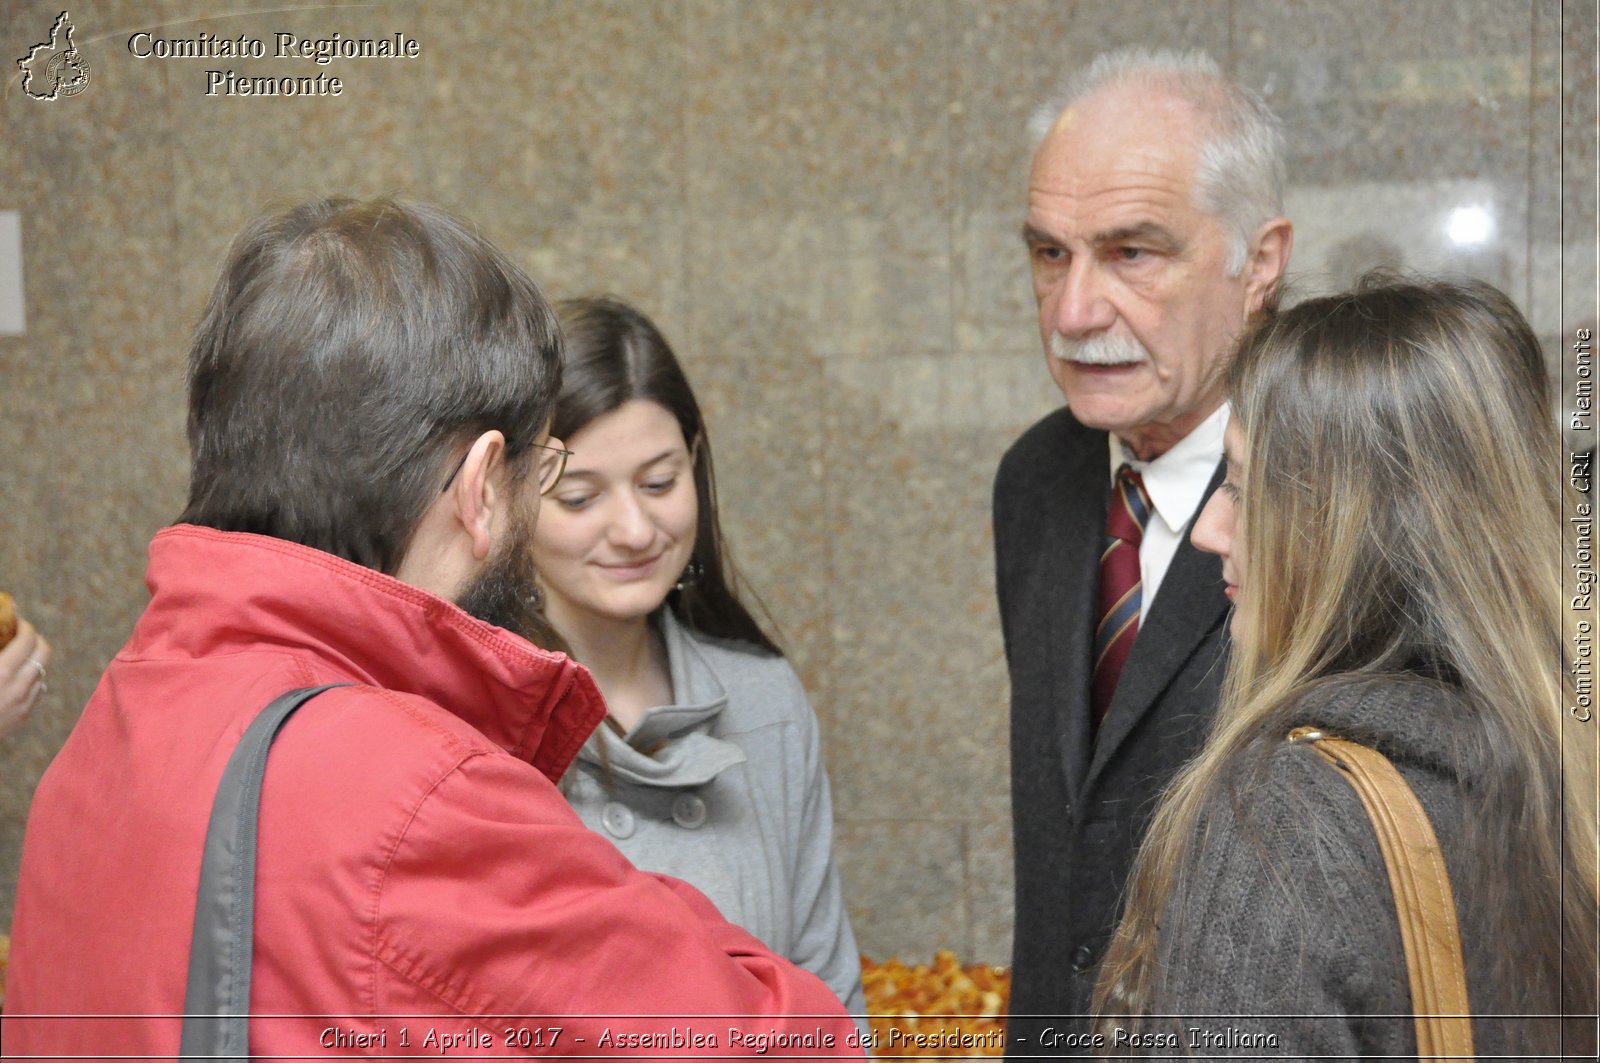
(1177, 480)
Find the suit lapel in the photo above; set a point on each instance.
(1188, 606)
(1077, 519)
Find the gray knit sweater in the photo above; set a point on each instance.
(1282, 939)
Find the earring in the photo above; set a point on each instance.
(690, 575)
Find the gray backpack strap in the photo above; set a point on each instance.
(216, 1005)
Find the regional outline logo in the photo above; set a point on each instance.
(66, 72)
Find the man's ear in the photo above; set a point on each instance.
(1269, 258)
(474, 496)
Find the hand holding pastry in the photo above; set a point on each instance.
(23, 661)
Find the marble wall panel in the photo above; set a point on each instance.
(98, 254)
(918, 662)
(989, 887)
(1407, 132)
(1545, 141)
(1580, 153)
(879, 853)
(1579, 157)
(1562, 230)
(916, 886)
(559, 128)
(1580, 215)
(237, 156)
(773, 457)
(817, 180)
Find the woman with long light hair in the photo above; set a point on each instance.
(1391, 535)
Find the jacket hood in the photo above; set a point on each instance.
(215, 593)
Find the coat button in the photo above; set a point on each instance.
(617, 820)
(1082, 958)
(689, 811)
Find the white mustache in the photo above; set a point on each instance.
(1101, 350)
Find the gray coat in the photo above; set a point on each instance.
(1282, 939)
(732, 798)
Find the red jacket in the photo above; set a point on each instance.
(421, 883)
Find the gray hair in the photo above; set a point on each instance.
(1239, 177)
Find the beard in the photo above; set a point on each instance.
(506, 590)
(1099, 350)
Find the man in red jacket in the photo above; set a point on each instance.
(370, 389)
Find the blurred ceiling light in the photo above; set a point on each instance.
(1469, 226)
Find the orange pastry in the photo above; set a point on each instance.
(8, 619)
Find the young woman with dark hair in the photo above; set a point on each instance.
(709, 766)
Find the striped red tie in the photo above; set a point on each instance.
(1119, 586)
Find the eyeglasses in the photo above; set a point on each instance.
(551, 467)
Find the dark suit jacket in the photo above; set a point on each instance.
(1080, 810)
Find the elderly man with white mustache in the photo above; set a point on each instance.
(1155, 234)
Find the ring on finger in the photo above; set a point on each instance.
(43, 677)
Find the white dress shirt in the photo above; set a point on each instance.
(1175, 483)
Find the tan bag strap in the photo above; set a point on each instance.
(1422, 898)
